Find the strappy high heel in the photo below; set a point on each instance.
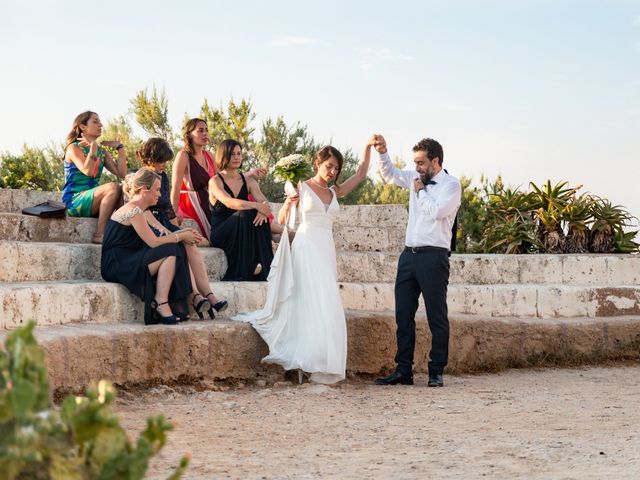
(202, 306)
(219, 307)
(170, 320)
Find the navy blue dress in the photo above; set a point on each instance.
(126, 258)
(163, 211)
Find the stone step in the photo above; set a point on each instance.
(25, 228)
(129, 354)
(54, 303)
(54, 261)
(51, 261)
(381, 216)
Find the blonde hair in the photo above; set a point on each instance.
(136, 181)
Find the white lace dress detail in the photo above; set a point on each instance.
(128, 216)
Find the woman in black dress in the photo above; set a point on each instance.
(154, 154)
(239, 226)
(134, 256)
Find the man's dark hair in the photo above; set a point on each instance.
(431, 147)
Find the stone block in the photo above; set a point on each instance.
(471, 299)
(623, 269)
(66, 302)
(486, 269)
(615, 301)
(584, 269)
(565, 301)
(514, 301)
(541, 269)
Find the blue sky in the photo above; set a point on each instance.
(528, 89)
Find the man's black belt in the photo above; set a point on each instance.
(425, 249)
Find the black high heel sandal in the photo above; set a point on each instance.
(219, 307)
(203, 305)
(181, 315)
(170, 320)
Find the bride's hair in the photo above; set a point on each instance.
(324, 154)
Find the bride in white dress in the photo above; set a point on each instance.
(303, 321)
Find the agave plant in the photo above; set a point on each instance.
(577, 217)
(516, 234)
(625, 242)
(548, 202)
(549, 231)
(608, 220)
(510, 227)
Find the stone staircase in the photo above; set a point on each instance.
(505, 310)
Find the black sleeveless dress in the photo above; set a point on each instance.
(244, 244)
(125, 260)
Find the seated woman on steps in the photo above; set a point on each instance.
(193, 167)
(239, 226)
(84, 160)
(154, 155)
(134, 256)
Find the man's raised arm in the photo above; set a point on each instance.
(389, 172)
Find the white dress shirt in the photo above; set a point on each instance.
(431, 210)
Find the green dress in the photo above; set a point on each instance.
(79, 188)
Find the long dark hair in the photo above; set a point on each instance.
(189, 127)
(75, 132)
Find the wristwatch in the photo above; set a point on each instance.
(119, 146)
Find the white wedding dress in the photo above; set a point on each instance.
(303, 321)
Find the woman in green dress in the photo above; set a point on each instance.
(84, 161)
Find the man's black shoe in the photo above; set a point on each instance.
(394, 379)
(435, 380)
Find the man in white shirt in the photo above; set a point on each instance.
(423, 266)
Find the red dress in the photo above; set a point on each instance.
(194, 193)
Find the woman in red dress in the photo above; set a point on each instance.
(192, 169)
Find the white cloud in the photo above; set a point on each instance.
(292, 41)
(636, 21)
(372, 57)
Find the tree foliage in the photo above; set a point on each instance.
(35, 169)
(152, 113)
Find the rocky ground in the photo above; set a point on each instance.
(576, 423)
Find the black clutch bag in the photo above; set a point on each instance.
(48, 209)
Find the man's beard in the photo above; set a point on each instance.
(426, 177)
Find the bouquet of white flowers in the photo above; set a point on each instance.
(292, 168)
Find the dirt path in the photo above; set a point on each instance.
(553, 423)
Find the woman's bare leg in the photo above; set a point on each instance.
(165, 270)
(199, 278)
(106, 199)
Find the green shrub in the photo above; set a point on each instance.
(83, 440)
(34, 169)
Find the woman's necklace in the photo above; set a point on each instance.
(319, 184)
